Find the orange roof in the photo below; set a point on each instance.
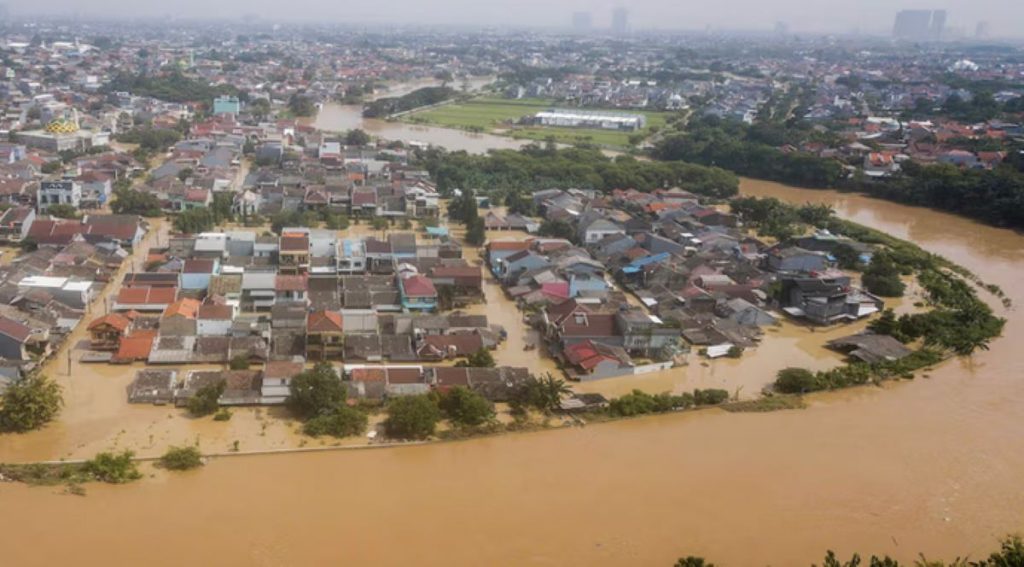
(324, 322)
(187, 308)
(509, 245)
(135, 346)
(115, 320)
(147, 295)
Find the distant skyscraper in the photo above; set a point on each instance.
(582, 22)
(620, 21)
(981, 31)
(938, 24)
(919, 25)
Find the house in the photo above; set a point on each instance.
(293, 254)
(277, 378)
(325, 334)
(465, 279)
(214, 319)
(599, 229)
(871, 348)
(180, 318)
(291, 288)
(145, 298)
(108, 330)
(14, 339)
(509, 268)
(59, 193)
(826, 300)
(417, 292)
(258, 289)
(592, 361)
(76, 294)
(196, 273)
(15, 223)
(793, 259)
(442, 347)
(153, 386)
(644, 334)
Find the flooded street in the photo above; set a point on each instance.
(933, 465)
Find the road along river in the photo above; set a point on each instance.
(934, 465)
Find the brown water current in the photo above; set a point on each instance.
(934, 465)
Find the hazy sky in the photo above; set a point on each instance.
(1006, 17)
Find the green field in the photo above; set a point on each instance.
(499, 116)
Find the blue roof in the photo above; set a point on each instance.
(636, 265)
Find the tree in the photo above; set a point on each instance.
(557, 229)
(543, 394)
(357, 137)
(465, 407)
(62, 211)
(206, 399)
(316, 392)
(412, 417)
(114, 468)
(1010, 554)
(882, 277)
(131, 202)
(194, 221)
(240, 362)
(181, 458)
(29, 404)
(301, 105)
(796, 381)
(476, 232)
(479, 359)
(379, 223)
(342, 421)
(184, 174)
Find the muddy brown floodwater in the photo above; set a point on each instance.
(933, 465)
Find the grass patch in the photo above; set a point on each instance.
(487, 114)
(112, 468)
(766, 404)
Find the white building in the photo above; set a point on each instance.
(590, 119)
(59, 193)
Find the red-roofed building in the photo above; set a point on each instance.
(592, 360)
(145, 298)
(325, 332)
(108, 330)
(135, 347)
(417, 292)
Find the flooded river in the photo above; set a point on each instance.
(933, 465)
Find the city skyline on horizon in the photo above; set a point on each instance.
(998, 17)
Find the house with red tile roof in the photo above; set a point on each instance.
(592, 361)
(145, 298)
(417, 293)
(108, 330)
(325, 332)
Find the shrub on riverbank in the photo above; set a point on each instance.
(342, 421)
(466, 408)
(412, 417)
(638, 402)
(802, 381)
(113, 468)
(181, 458)
(29, 404)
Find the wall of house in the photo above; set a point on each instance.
(213, 327)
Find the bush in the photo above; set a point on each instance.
(316, 392)
(796, 381)
(204, 401)
(412, 417)
(710, 397)
(223, 414)
(240, 362)
(29, 404)
(465, 407)
(344, 421)
(113, 468)
(181, 458)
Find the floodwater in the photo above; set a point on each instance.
(932, 465)
(335, 117)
